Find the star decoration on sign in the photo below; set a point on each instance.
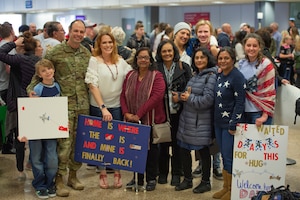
(219, 93)
(225, 114)
(226, 84)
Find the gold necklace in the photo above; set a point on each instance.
(112, 74)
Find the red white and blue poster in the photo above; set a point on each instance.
(259, 159)
(117, 144)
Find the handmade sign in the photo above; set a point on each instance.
(117, 144)
(43, 117)
(259, 159)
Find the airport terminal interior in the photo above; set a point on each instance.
(11, 188)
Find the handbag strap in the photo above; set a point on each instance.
(167, 112)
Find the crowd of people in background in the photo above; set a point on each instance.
(209, 79)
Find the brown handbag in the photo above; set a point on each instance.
(161, 132)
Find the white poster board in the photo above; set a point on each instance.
(259, 159)
(286, 97)
(43, 118)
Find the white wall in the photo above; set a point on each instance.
(234, 14)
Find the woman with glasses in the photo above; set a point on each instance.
(142, 94)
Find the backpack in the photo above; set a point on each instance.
(280, 193)
(297, 109)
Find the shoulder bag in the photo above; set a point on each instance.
(161, 132)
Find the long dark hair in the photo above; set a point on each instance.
(152, 62)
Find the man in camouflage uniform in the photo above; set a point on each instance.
(70, 60)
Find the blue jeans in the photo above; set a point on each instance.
(44, 161)
(216, 160)
(225, 141)
(250, 118)
(116, 115)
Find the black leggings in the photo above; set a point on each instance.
(20, 151)
(186, 159)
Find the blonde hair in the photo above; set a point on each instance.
(40, 64)
(205, 22)
(297, 43)
(284, 33)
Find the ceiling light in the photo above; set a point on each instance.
(173, 4)
(218, 2)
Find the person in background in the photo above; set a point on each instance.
(138, 39)
(44, 35)
(39, 31)
(90, 35)
(230, 99)
(143, 94)
(161, 31)
(266, 37)
(195, 123)
(246, 27)
(205, 38)
(182, 34)
(21, 71)
(70, 60)
(126, 53)
(23, 28)
(291, 23)
(276, 36)
(56, 34)
(239, 49)
(176, 75)
(43, 155)
(286, 57)
(32, 29)
(8, 35)
(169, 32)
(153, 34)
(260, 75)
(105, 75)
(224, 37)
(297, 62)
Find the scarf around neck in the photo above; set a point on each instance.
(137, 94)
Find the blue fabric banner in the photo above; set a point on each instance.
(116, 144)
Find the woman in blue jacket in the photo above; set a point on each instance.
(195, 124)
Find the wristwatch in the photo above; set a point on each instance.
(102, 106)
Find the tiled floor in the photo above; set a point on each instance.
(12, 189)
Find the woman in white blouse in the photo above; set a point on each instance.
(105, 75)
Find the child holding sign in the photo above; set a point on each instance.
(43, 153)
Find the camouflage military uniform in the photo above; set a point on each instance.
(70, 68)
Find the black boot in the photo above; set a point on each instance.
(204, 186)
(185, 184)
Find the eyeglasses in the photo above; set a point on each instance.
(143, 57)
